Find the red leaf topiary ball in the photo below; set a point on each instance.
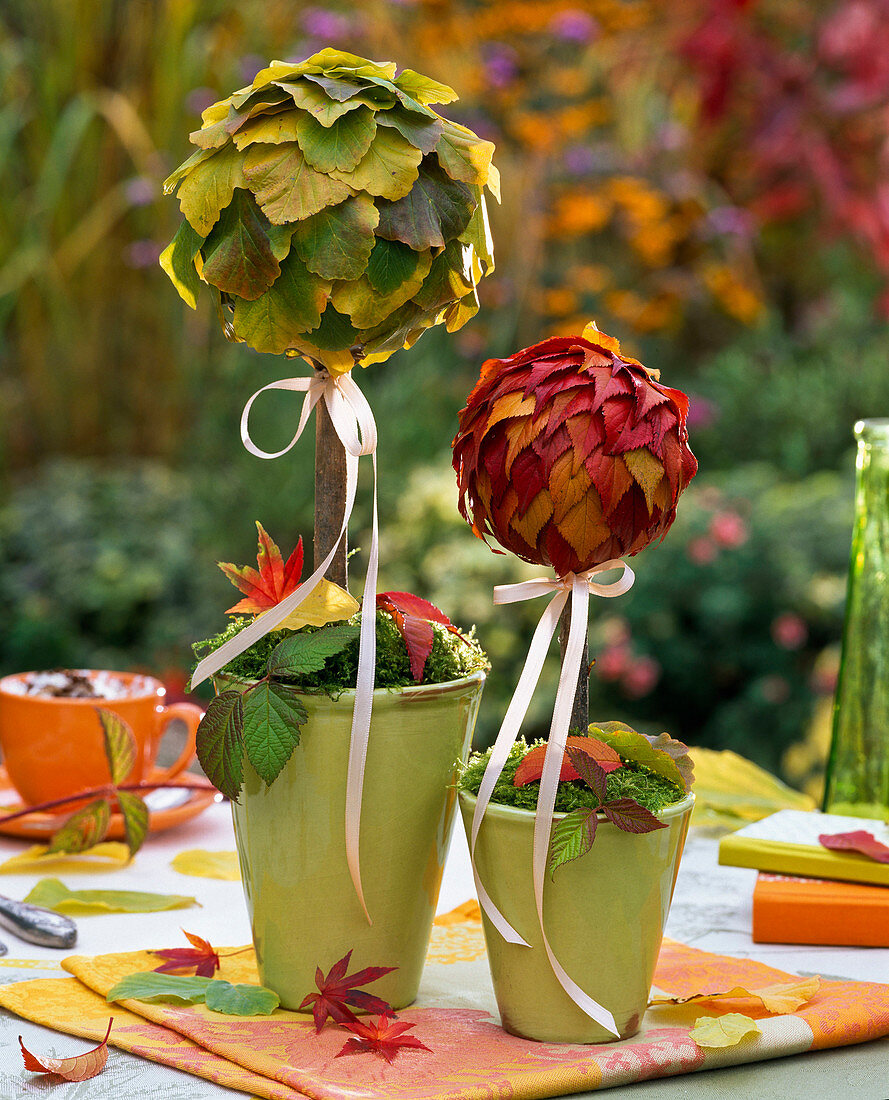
(570, 454)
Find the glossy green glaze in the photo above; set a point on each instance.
(604, 915)
(303, 906)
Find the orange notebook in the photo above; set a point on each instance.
(787, 909)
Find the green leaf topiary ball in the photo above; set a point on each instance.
(332, 213)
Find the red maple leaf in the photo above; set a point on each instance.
(414, 618)
(860, 841)
(385, 1036)
(339, 989)
(271, 582)
(201, 957)
(531, 767)
(79, 1068)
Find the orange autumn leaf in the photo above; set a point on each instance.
(267, 585)
(79, 1068)
(531, 767)
(201, 957)
(781, 998)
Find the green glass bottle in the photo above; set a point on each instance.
(857, 780)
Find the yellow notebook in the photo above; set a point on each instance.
(787, 843)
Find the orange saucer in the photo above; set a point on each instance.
(167, 808)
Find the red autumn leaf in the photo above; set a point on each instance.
(531, 767)
(385, 1036)
(414, 618)
(627, 814)
(79, 1068)
(271, 582)
(339, 989)
(590, 771)
(201, 957)
(859, 841)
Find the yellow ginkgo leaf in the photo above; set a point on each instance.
(204, 864)
(107, 856)
(328, 603)
(779, 998)
(723, 1031)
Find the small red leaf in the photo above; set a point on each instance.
(860, 841)
(531, 767)
(590, 771)
(385, 1037)
(340, 989)
(202, 958)
(627, 814)
(413, 616)
(409, 604)
(80, 1068)
(271, 582)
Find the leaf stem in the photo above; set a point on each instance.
(103, 792)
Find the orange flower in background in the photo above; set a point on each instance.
(569, 454)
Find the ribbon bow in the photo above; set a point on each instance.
(354, 424)
(579, 587)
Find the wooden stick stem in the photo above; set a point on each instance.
(330, 496)
(580, 714)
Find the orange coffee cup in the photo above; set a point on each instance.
(54, 747)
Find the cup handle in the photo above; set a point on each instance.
(191, 715)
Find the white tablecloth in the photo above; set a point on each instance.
(711, 910)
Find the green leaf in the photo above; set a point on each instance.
(311, 98)
(83, 829)
(184, 168)
(390, 264)
(301, 654)
(388, 169)
(449, 278)
(573, 836)
(331, 59)
(424, 89)
(209, 187)
(51, 893)
(240, 1000)
(211, 137)
(219, 743)
(637, 747)
(368, 307)
(337, 242)
(336, 89)
(339, 146)
(273, 715)
(135, 819)
(463, 155)
(459, 312)
(286, 186)
(238, 255)
(120, 744)
(335, 333)
(435, 211)
(280, 238)
(401, 328)
(177, 259)
(269, 129)
(149, 986)
(292, 305)
(478, 234)
(419, 130)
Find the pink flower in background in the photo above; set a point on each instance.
(613, 661)
(641, 677)
(789, 631)
(702, 412)
(701, 550)
(774, 689)
(729, 530)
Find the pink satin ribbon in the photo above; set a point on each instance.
(354, 424)
(578, 587)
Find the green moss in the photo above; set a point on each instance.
(630, 781)
(451, 658)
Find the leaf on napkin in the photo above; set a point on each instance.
(53, 894)
(107, 856)
(531, 767)
(723, 1031)
(79, 1068)
(780, 998)
(338, 990)
(861, 841)
(218, 995)
(205, 864)
(384, 1036)
(201, 957)
(414, 618)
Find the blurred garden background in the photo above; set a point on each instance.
(707, 179)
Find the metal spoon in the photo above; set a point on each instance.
(41, 926)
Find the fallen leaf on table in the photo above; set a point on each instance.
(219, 996)
(338, 990)
(53, 894)
(79, 1068)
(723, 1031)
(204, 864)
(110, 855)
(201, 956)
(861, 841)
(780, 998)
(385, 1036)
(732, 791)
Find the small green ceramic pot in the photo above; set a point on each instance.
(604, 915)
(291, 840)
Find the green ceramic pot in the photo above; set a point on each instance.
(291, 843)
(604, 915)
